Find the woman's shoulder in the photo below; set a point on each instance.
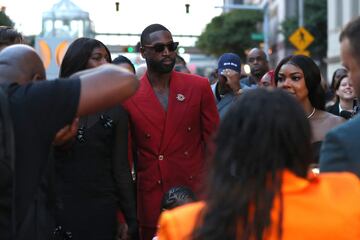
(343, 184)
(330, 119)
(186, 211)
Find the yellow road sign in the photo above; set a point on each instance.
(301, 38)
(302, 52)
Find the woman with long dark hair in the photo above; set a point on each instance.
(300, 76)
(258, 185)
(93, 172)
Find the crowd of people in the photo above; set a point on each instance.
(102, 154)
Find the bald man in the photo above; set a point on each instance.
(38, 110)
(259, 65)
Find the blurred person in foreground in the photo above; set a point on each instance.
(264, 192)
(172, 115)
(340, 150)
(38, 110)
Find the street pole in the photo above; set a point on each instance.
(301, 13)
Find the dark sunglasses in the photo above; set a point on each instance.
(160, 47)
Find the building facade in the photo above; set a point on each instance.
(339, 13)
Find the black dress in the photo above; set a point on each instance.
(93, 178)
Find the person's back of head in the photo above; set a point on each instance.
(9, 36)
(21, 64)
(264, 133)
(177, 196)
(122, 60)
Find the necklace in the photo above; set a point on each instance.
(311, 114)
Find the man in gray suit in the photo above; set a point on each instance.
(341, 147)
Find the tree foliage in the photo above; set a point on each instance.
(315, 21)
(230, 32)
(5, 20)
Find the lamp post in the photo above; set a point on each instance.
(264, 7)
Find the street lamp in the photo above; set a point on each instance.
(264, 7)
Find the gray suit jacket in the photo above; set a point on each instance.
(341, 148)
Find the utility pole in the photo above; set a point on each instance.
(301, 13)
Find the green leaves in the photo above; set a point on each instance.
(231, 32)
(5, 20)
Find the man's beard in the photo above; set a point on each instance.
(159, 66)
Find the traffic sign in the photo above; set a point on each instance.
(257, 36)
(301, 38)
(302, 52)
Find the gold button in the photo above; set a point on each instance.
(159, 182)
(147, 135)
(186, 153)
(161, 157)
(189, 129)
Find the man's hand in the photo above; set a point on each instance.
(67, 133)
(232, 79)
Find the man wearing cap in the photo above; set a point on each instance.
(228, 85)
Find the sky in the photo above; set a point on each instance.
(133, 15)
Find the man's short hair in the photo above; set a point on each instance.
(352, 32)
(9, 35)
(145, 35)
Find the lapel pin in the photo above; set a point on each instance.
(180, 97)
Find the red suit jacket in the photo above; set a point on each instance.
(170, 144)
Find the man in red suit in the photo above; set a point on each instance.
(172, 116)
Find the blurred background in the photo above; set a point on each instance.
(204, 28)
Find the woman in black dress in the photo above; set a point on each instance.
(93, 175)
(300, 76)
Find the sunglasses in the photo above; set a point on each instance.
(160, 47)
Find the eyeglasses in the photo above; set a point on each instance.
(160, 47)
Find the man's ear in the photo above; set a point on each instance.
(142, 52)
(37, 77)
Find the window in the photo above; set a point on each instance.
(339, 13)
(355, 8)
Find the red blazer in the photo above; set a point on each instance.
(170, 144)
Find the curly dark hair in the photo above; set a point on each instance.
(312, 77)
(78, 54)
(177, 196)
(264, 133)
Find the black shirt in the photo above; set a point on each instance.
(38, 111)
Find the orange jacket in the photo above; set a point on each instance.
(327, 207)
